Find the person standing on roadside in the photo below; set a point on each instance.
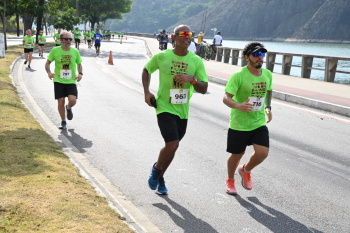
(66, 60)
(57, 38)
(180, 73)
(217, 41)
(29, 43)
(248, 93)
(97, 38)
(41, 43)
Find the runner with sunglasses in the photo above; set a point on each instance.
(66, 60)
(180, 73)
(248, 93)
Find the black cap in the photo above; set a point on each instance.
(255, 49)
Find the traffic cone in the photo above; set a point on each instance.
(121, 41)
(110, 60)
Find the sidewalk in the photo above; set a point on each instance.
(331, 97)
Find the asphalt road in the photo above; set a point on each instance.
(303, 186)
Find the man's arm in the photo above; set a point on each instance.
(199, 86)
(80, 70)
(146, 79)
(268, 106)
(244, 107)
(47, 68)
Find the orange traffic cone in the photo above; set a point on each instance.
(121, 41)
(110, 60)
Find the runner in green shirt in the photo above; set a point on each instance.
(41, 43)
(180, 73)
(29, 44)
(248, 93)
(57, 38)
(66, 60)
(76, 34)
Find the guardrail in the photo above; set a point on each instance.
(233, 55)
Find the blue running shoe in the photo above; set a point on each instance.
(153, 178)
(162, 190)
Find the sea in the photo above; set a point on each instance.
(324, 49)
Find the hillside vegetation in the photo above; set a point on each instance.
(311, 20)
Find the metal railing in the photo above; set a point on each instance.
(233, 55)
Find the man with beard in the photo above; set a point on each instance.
(248, 93)
(180, 73)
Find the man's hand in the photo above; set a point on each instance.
(183, 78)
(51, 75)
(245, 106)
(148, 97)
(79, 77)
(268, 114)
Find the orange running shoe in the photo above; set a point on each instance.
(230, 186)
(247, 182)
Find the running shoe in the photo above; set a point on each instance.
(29, 66)
(63, 125)
(230, 186)
(247, 182)
(69, 113)
(153, 179)
(162, 190)
(25, 62)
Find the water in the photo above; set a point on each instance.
(325, 49)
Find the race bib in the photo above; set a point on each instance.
(178, 96)
(66, 74)
(257, 102)
(97, 37)
(29, 45)
(41, 41)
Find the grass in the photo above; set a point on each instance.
(41, 190)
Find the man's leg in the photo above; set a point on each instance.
(232, 164)
(166, 156)
(259, 155)
(61, 109)
(30, 58)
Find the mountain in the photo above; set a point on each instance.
(300, 20)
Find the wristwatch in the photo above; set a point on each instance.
(268, 107)
(80, 73)
(194, 80)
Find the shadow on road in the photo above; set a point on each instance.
(79, 142)
(274, 220)
(187, 221)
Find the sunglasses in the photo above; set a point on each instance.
(184, 34)
(258, 54)
(67, 39)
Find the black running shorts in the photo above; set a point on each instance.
(28, 50)
(77, 40)
(97, 45)
(237, 141)
(171, 126)
(63, 90)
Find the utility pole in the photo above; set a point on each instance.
(76, 8)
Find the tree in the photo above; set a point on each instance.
(100, 10)
(66, 20)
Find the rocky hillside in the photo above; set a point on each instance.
(308, 20)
